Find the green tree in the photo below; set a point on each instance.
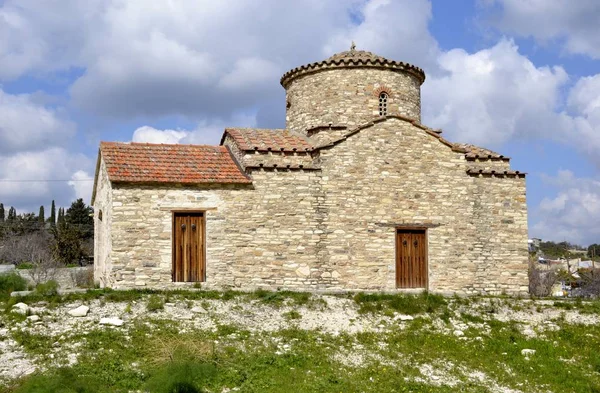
(81, 217)
(1, 212)
(67, 243)
(12, 214)
(25, 223)
(61, 217)
(593, 250)
(53, 214)
(41, 218)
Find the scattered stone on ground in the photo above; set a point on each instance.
(20, 308)
(33, 318)
(112, 321)
(80, 311)
(326, 313)
(527, 352)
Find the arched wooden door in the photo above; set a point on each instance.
(188, 247)
(411, 258)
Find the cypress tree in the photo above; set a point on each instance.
(12, 214)
(1, 212)
(61, 216)
(53, 214)
(41, 217)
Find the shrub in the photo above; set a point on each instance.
(10, 282)
(541, 281)
(155, 303)
(47, 289)
(590, 283)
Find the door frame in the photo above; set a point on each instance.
(186, 212)
(426, 233)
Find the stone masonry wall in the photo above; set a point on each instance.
(349, 97)
(102, 228)
(334, 228)
(393, 174)
(256, 236)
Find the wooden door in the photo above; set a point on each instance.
(411, 258)
(188, 247)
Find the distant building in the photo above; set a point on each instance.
(534, 244)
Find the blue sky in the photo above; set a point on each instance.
(521, 77)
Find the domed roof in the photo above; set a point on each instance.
(356, 55)
(350, 59)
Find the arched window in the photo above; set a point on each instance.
(383, 98)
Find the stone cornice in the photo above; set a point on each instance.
(353, 62)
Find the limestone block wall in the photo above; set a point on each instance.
(334, 228)
(349, 97)
(102, 227)
(393, 174)
(500, 243)
(256, 236)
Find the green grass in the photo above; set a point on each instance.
(158, 356)
(47, 289)
(155, 303)
(405, 304)
(10, 282)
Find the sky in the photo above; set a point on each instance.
(521, 77)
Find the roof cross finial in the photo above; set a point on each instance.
(353, 46)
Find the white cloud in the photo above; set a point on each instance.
(584, 98)
(44, 37)
(80, 181)
(205, 133)
(573, 214)
(492, 96)
(201, 58)
(249, 73)
(582, 127)
(28, 125)
(397, 29)
(152, 135)
(30, 179)
(574, 22)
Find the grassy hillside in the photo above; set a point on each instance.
(207, 341)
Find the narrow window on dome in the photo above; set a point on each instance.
(383, 98)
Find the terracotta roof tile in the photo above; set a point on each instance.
(154, 163)
(249, 139)
(474, 152)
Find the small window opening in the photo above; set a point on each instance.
(100, 215)
(383, 98)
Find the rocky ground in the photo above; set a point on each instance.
(36, 336)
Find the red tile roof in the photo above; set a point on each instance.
(187, 164)
(474, 152)
(248, 139)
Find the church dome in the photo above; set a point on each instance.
(355, 56)
(351, 59)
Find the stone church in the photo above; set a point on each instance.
(354, 194)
